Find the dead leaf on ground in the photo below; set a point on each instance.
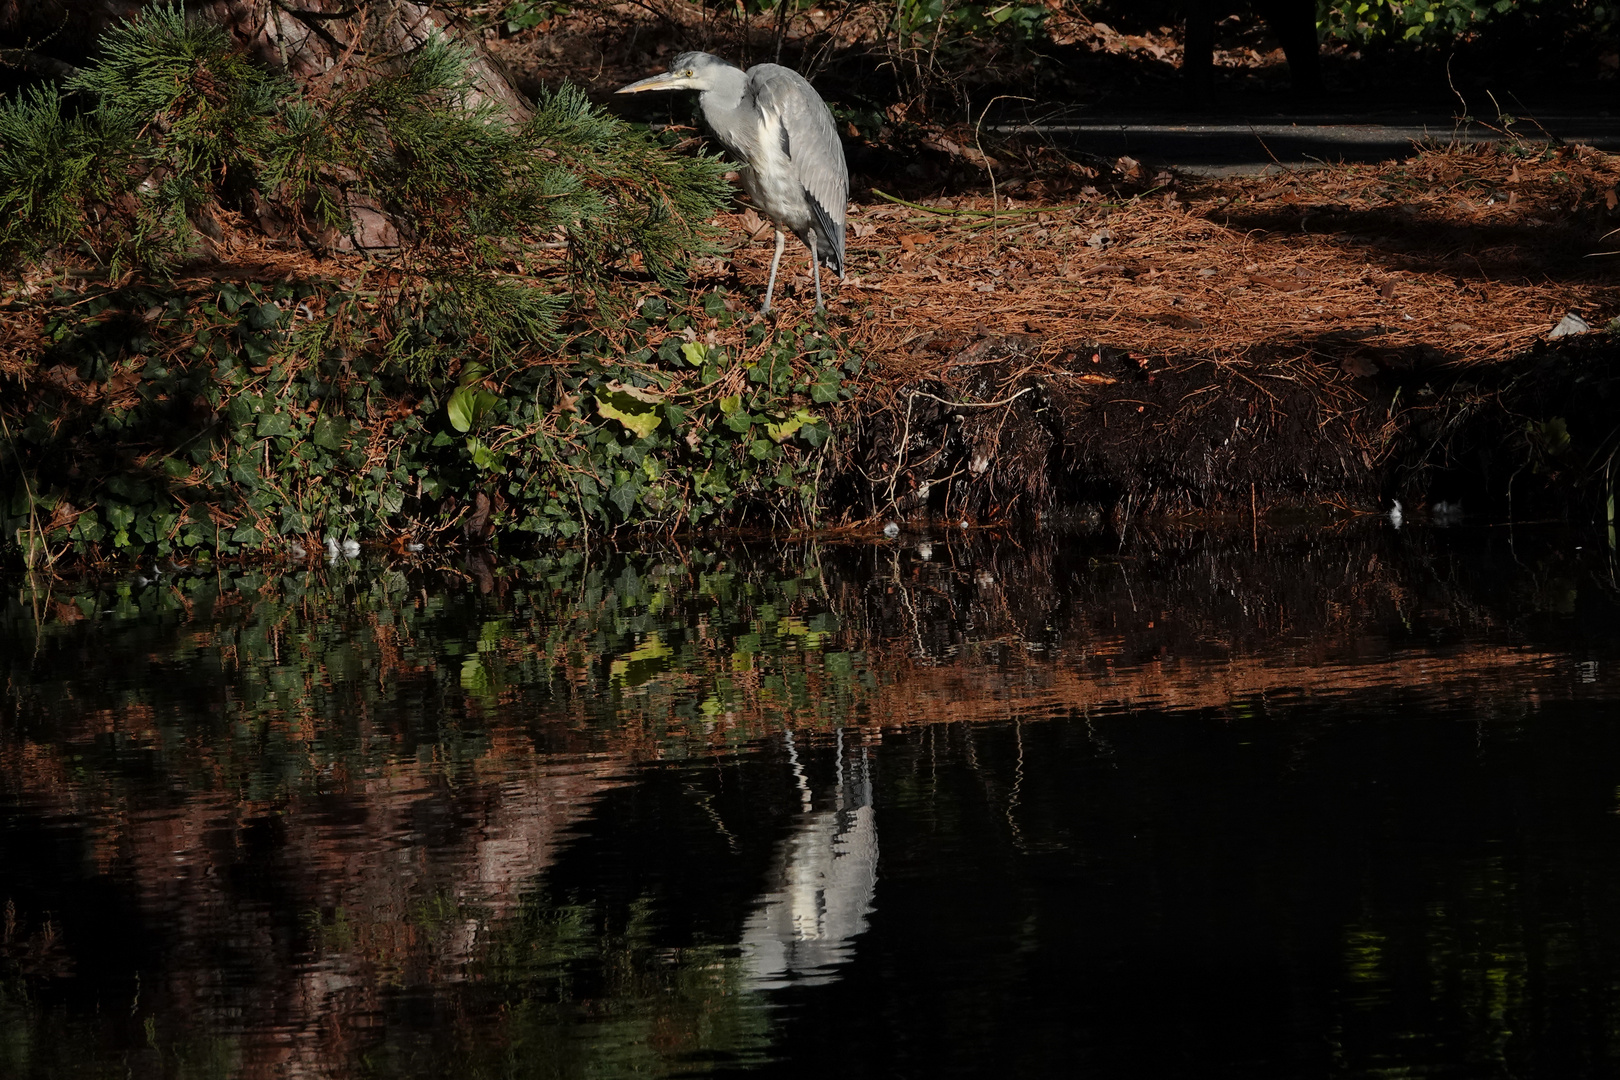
(1570, 325)
(1280, 284)
(1177, 320)
(121, 382)
(1359, 366)
(955, 149)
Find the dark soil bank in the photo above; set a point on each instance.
(1108, 431)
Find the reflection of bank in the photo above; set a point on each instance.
(821, 885)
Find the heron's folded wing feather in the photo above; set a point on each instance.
(816, 152)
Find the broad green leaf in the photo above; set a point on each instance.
(329, 432)
(784, 429)
(274, 423)
(650, 397)
(460, 407)
(262, 316)
(632, 411)
(624, 496)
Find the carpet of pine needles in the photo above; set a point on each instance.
(1464, 254)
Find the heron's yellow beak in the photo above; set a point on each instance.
(669, 80)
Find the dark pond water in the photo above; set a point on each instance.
(1315, 805)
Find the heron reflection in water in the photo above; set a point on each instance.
(822, 881)
(782, 134)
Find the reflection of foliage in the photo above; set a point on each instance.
(584, 1002)
(283, 696)
(303, 663)
(316, 687)
(41, 1039)
(1476, 948)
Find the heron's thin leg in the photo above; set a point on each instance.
(770, 285)
(815, 269)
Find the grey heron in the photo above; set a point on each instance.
(782, 134)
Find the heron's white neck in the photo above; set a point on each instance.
(725, 91)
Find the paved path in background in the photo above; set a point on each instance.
(1227, 146)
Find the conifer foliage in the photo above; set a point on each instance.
(172, 121)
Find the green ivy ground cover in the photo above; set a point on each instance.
(180, 423)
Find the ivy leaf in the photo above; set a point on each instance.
(329, 432)
(784, 429)
(232, 297)
(695, 352)
(624, 496)
(484, 457)
(262, 316)
(274, 423)
(825, 388)
(635, 409)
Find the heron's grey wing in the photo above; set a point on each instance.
(812, 144)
